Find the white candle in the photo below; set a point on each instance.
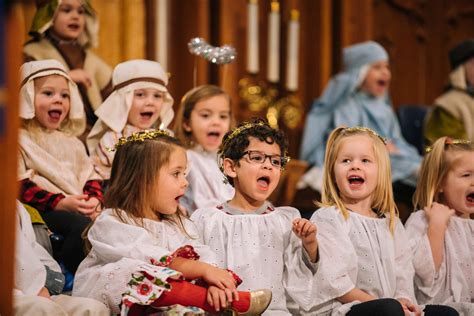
(161, 32)
(293, 50)
(252, 37)
(273, 61)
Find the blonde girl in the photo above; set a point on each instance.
(142, 235)
(140, 100)
(442, 231)
(204, 116)
(364, 264)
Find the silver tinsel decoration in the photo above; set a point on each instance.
(216, 55)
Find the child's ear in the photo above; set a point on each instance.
(186, 127)
(229, 168)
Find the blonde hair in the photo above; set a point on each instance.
(188, 102)
(434, 168)
(382, 197)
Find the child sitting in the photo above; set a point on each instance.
(358, 97)
(140, 101)
(66, 31)
(39, 281)
(441, 232)
(56, 175)
(365, 264)
(267, 246)
(143, 246)
(204, 116)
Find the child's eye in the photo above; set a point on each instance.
(224, 116)
(81, 11)
(205, 115)
(65, 95)
(139, 94)
(467, 174)
(256, 158)
(47, 93)
(158, 95)
(365, 160)
(346, 160)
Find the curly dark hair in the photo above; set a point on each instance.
(236, 141)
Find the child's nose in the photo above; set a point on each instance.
(185, 183)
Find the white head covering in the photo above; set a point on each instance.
(76, 120)
(128, 77)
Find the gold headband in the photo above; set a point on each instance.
(238, 130)
(349, 130)
(138, 137)
(450, 141)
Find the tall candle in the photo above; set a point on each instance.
(252, 37)
(293, 50)
(273, 60)
(161, 34)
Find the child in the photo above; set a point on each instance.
(139, 101)
(442, 232)
(365, 267)
(39, 281)
(359, 97)
(453, 113)
(56, 175)
(203, 118)
(142, 235)
(66, 30)
(249, 235)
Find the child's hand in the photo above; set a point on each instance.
(409, 307)
(44, 293)
(76, 203)
(79, 76)
(218, 298)
(438, 214)
(219, 277)
(306, 231)
(392, 148)
(95, 203)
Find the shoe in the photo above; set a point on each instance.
(259, 301)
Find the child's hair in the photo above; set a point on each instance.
(237, 140)
(134, 175)
(188, 102)
(435, 166)
(382, 198)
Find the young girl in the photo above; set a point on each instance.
(249, 235)
(204, 116)
(66, 31)
(358, 96)
(139, 101)
(56, 175)
(142, 246)
(365, 266)
(442, 232)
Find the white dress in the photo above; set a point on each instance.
(454, 282)
(262, 249)
(206, 181)
(359, 252)
(122, 249)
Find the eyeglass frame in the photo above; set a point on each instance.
(283, 159)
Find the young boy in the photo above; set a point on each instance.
(269, 247)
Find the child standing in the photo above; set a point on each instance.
(358, 96)
(143, 234)
(139, 101)
(442, 232)
(56, 175)
(66, 31)
(267, 246)
(204, 116)
(365, 267)
(39, 280)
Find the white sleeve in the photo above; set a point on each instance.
(403, 265)
(426, 280)
(337, 269)
(205, 253)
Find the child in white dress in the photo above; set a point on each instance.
(442, 231)
(139, 101)
(142, 247)
(269, 247)
(204, 116)
(365, 266)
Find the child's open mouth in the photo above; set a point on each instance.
(470, 198)
(55, 115)
(214, 134)
(178, 197)
(382, 83)
(146, 115)
(73, 26)
(355, 180)
(263, 183)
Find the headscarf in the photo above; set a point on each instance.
(76, 120)
(44, 16)
(128, 77)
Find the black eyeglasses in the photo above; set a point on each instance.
(257, 157)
